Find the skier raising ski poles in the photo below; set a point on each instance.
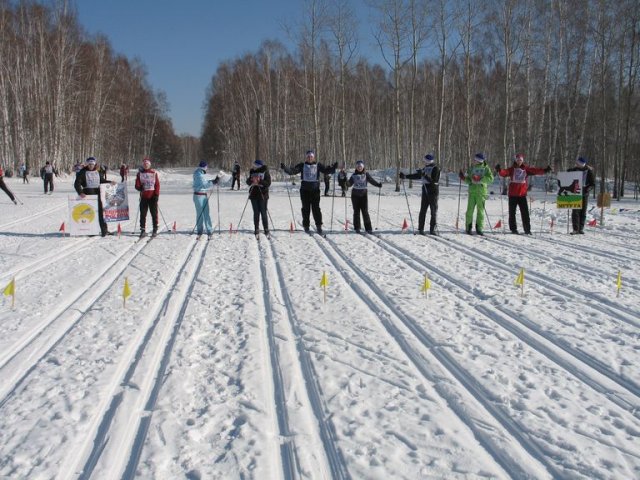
(259, 180)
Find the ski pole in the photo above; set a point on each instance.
(501, 205)
(135, 222)
(378, 212)
(408, 207)
(245, 207)
(459, 195)
(544, 206)
(218, 197)
(488, 219)
(293, 217)
(333, 201)
(165, 222)
(273, 226)
(206, 206)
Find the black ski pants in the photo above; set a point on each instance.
(48, 182)
(259, 205)
(236, 178)
(523, 205)
(579, 215)
(311, 204)
(6, 190)
(149, 205)
(429, 201)
(360, 205)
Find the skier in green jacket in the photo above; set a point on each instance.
(477, 176)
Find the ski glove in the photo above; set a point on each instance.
(548, 169)
(461, 174)
(282, 166)
(335, 165)
(498, 168)
(401, 175)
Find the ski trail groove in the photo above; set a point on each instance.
(603, 305)
(335, 457)
(64, 318)
(288, 452)
(499, 449)
(510, 322)
(89, 450)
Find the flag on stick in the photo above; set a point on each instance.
(119, 230)
(230, 229)
(405, 225)
(520, 281)
(593, 223)
(499, 224)
(10, 289)
(126, 292)
(346, 225)
(619, 283)
(324, 283)
(174, 228)
(61, 229)
(426, 285)
(551, 225)
(291, 228)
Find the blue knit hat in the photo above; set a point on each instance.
(581, 161)
(91, 160)
(203, 164)
(479, 157)
(428, 159)
(258, 163)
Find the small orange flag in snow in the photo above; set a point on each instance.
(119, 230)
(230, 228)
(61, 229)
(499, 224)
(405, 225)
(291, 227)
(346, 225)
(173, 229)
(592, 223)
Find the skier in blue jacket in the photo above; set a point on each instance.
(201, 189)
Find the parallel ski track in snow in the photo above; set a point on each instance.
(35, 344)
(288, 451)
(559, 352)
(390, 313)
(604, 305)
(130, 401)
(25, 220)
(589, 248)
(336, 462)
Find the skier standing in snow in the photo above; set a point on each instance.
(327, 183)
(579, 215)
(477, 176)
(24, 173)
(235, 175)
(124, 172)
(430, 176)
(518, 174)
(148, 184)
(259, 181)
(5, 188)
(359, 197)
(310, 172)
(342, 181)
(87, 182)
(201, 188)
(46, 173)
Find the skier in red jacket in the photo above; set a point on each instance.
(518, 174)
(148, 184)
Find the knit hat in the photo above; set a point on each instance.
(91, 160)
(519, 156)
(359, 163)
(428, 159)
(581, 161)
(258, 163)
(146, 161)
(479, 157)
(310, 153)
(203, 164)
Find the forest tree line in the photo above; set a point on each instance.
(553, 79)
(65, 96)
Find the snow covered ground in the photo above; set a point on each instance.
(227, 362)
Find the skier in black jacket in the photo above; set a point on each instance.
(359, 198)
(342, 181)
(579, 215)
(88, 182)
(235, 175)
(259, 181)
(310, 172)
(430, 176)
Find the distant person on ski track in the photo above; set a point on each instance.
(342, 181)
(24, 173)
(518, 174)
(327, 183)
(46, 173)
(148, 184)
(430, 176)
(359, 197)
(579, 215)
(124, 172)
(310, 172)
(477, 176)
(5, 188)
(259, 181)
(87, 182)
(235, 175)
(201, 188)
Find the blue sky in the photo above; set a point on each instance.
(182, 42)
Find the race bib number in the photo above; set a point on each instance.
(310, 172)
